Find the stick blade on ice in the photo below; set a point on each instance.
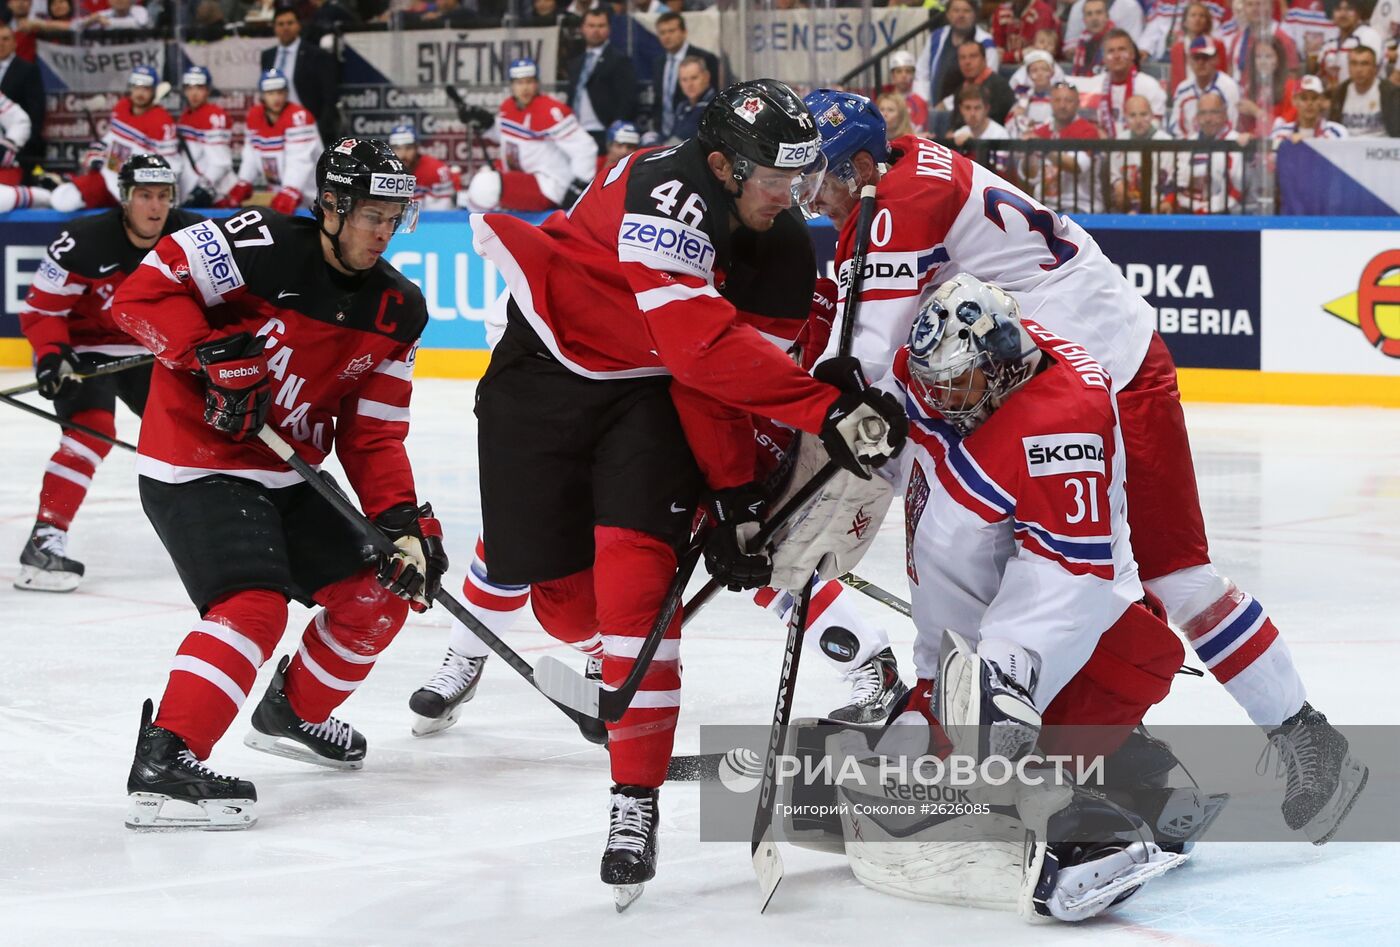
(561, 683)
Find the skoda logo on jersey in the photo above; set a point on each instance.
(665, 242)
(1055, 454)
(884, 270)
(799, 154)
(391, 185)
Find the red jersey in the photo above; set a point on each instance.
(643, 277)
(151, 132)
(340, 351)
(70, 300)
(1014, 32)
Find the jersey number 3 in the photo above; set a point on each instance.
(1038, 219)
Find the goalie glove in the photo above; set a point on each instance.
(237, 386)
(738, 513)
(864, 427)
(414, 572)
(57, 373)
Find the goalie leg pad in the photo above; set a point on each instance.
(984, 697)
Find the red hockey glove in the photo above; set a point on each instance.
(286, 201)
(237, 194)
(237, 385)
(414, 572)
(816, 332)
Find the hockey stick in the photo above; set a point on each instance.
(767, 862)
(591, 729)
(68, 425)
(107, 368)
(888, 599)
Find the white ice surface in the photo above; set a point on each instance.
(491, 832)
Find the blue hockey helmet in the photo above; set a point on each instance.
(196, 75)
(401, 136)
(523, 68)
(849, 124)
(143, 76)
(272, 80)
(623, 133)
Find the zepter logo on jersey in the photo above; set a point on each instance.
(391, 185)
(798, 154)
(664, 244)
(211, 260)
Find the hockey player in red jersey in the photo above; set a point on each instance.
(205, 142)
(138, 126)
(15, 131)
(298, 323)
(437, 183)
(939, 214)
(280, 150)
(547, 159)
(621, 341)
(67, 319)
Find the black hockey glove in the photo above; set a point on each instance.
(574, 192)
(864, 427)
(738, 515)
(201, 196)
(476, 117)
(57, 373)
(237, 386)
(414, 572)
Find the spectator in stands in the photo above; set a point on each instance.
(1367, 107)
(1311, 120)
(452, 14)
(602, 84)
(1088, 52)
(1208, 182)
(974, 107)
(1126, 181)
(24, 29)
(119, 15)
(1351, 32)
(666, 88)
(58, 19)
(699, 88)
(329, 17)
(1120, 81)
(896, 115)
(1015, 24)
(1257, 24)
(435, 186)
(1020, 79)
(209, 23)
(1125, 14)
(1205, 78)
(936, 75)
(313, 74)
(1063, 179)
(1308, 24)
(1032, 107)
(20, 83)
(902, 69)
(1195, 21)
(623, 139)
(1268, 90)
(973, 70)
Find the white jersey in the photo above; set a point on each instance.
(1188, 96)
(281, 153)
(939, 214)
(1107, 99)
(15, 126)
(545, 140)
(208, 150)
(1019, 529)
(1385, 20)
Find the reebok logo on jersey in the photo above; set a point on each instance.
(665, 245)
(1053, 454)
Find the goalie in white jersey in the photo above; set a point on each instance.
(939, 215)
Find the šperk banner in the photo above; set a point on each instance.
(1347, 176)
(95, 68)
(425, 58)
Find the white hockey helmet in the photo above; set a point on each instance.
(968, 351)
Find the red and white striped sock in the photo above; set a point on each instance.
(69, 472)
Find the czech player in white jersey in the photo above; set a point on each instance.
(939, 215)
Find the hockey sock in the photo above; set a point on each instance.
(1236, 640)
(358, 619)
(835, 629)
(632, 572)
(69, 471)
(217, 665)
(496, 606)
(19, 198)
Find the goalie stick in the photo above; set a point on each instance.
(767, 862)
(67, 425)
(591, 729)
(107, 368)
(884, 597)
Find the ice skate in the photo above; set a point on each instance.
(875, 688)
(279, 731)
(438, 704)
(629, 860)
(164, 771)
(1323, 781)
(44, 562)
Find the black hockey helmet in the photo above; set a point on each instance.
(763, 123)
(145, 169)
(363, 169)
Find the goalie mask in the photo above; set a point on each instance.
(968, 351)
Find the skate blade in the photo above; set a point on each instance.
(290, 749)
(147, 813)
(31, 579)
(427, 726)
(1326, 823)
(624, 895)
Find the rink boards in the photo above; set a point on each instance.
(1285, 310)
